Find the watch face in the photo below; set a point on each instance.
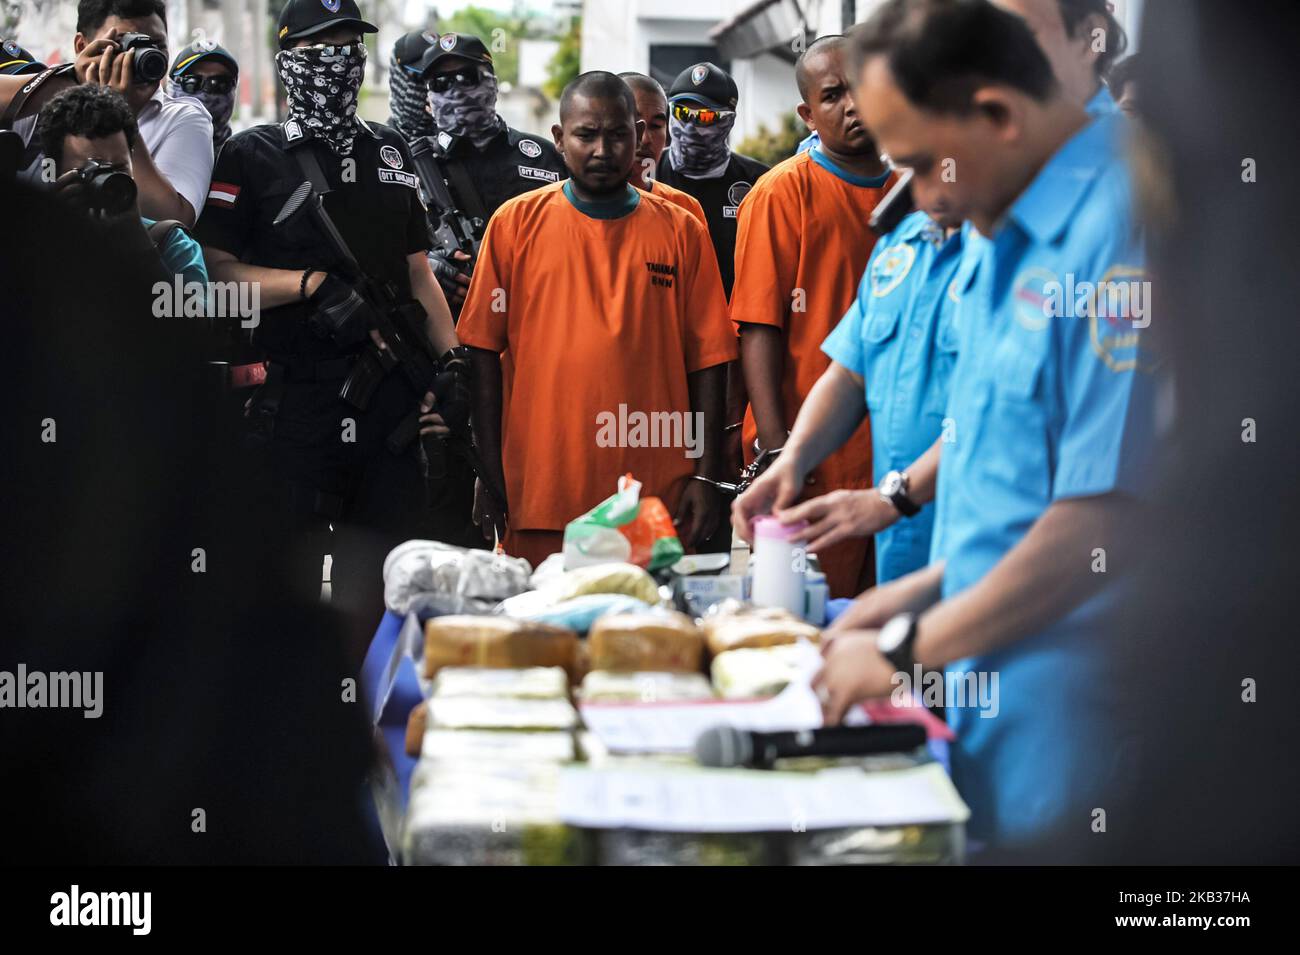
(891, 483)
(892, 635)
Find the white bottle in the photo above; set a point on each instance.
(778, 564)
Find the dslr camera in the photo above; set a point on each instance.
(106, 189)
(150, 60)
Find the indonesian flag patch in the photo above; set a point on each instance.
(223, 194)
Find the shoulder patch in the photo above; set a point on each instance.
(392, 156)
(292, 131)
(393, 177)
(532, 172)
(890, 268)
(1121, 304)
(737, 191)
(529, 148)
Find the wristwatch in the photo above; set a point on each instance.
(893, 490)
(895, 640)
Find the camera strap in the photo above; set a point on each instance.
(23, 95)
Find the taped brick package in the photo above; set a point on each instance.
(665, 640)
(491, 641)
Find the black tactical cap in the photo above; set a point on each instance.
(14, 59)
(304, 18)
(464, 45)
(411, 48)
(707, 84)
(200, 51)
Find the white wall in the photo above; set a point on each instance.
(767, 93)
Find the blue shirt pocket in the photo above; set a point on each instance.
(942, 360)
(1017, 439)
(878, 357)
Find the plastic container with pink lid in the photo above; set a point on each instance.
(778, 565)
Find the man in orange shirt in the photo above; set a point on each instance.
(652, 108)
(802, 245)
(614, 320)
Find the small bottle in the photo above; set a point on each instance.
(778, 564)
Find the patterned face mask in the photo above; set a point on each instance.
(408, 99)
(220, 106)
(322, 84)
(697, 150)
(469, 113)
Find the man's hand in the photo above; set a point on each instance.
(699, 513)
(109, 66)
(451, 275)
(339, 312)
(486, 515)
(776, 488)
(913, 593)
(430, 421)
(853, 671)
(838, 516)
(71, 189)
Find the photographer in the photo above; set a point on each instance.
(122, 44)
(91, 135)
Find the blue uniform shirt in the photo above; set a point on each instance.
(897, 335)
(1102, 103)
(1050, 400)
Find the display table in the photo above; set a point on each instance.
(534, 836)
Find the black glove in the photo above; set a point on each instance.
(453, 389)
(445, 271)
(339, 312)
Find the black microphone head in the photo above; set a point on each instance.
(723, 747)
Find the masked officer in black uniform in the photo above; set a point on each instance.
(408, 99)
(328, 460)
(485, 161)
(699, 161)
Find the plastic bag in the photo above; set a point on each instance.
(430, 577)
(623, 528)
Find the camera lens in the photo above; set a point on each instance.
(150, 65)
(112, 192)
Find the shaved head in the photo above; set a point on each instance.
(597, 85)
(809, 61)
(646, 85)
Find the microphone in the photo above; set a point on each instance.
(726, 746)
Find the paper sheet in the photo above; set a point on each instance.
(675, 799)
(674, 727)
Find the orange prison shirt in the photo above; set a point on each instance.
(679, 198)
(803, 227)
(592, 314)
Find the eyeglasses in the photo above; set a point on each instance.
(330, 49)
(700, 116)
(465, 79)
(217, 85)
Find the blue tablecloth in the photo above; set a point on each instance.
(403, 697)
